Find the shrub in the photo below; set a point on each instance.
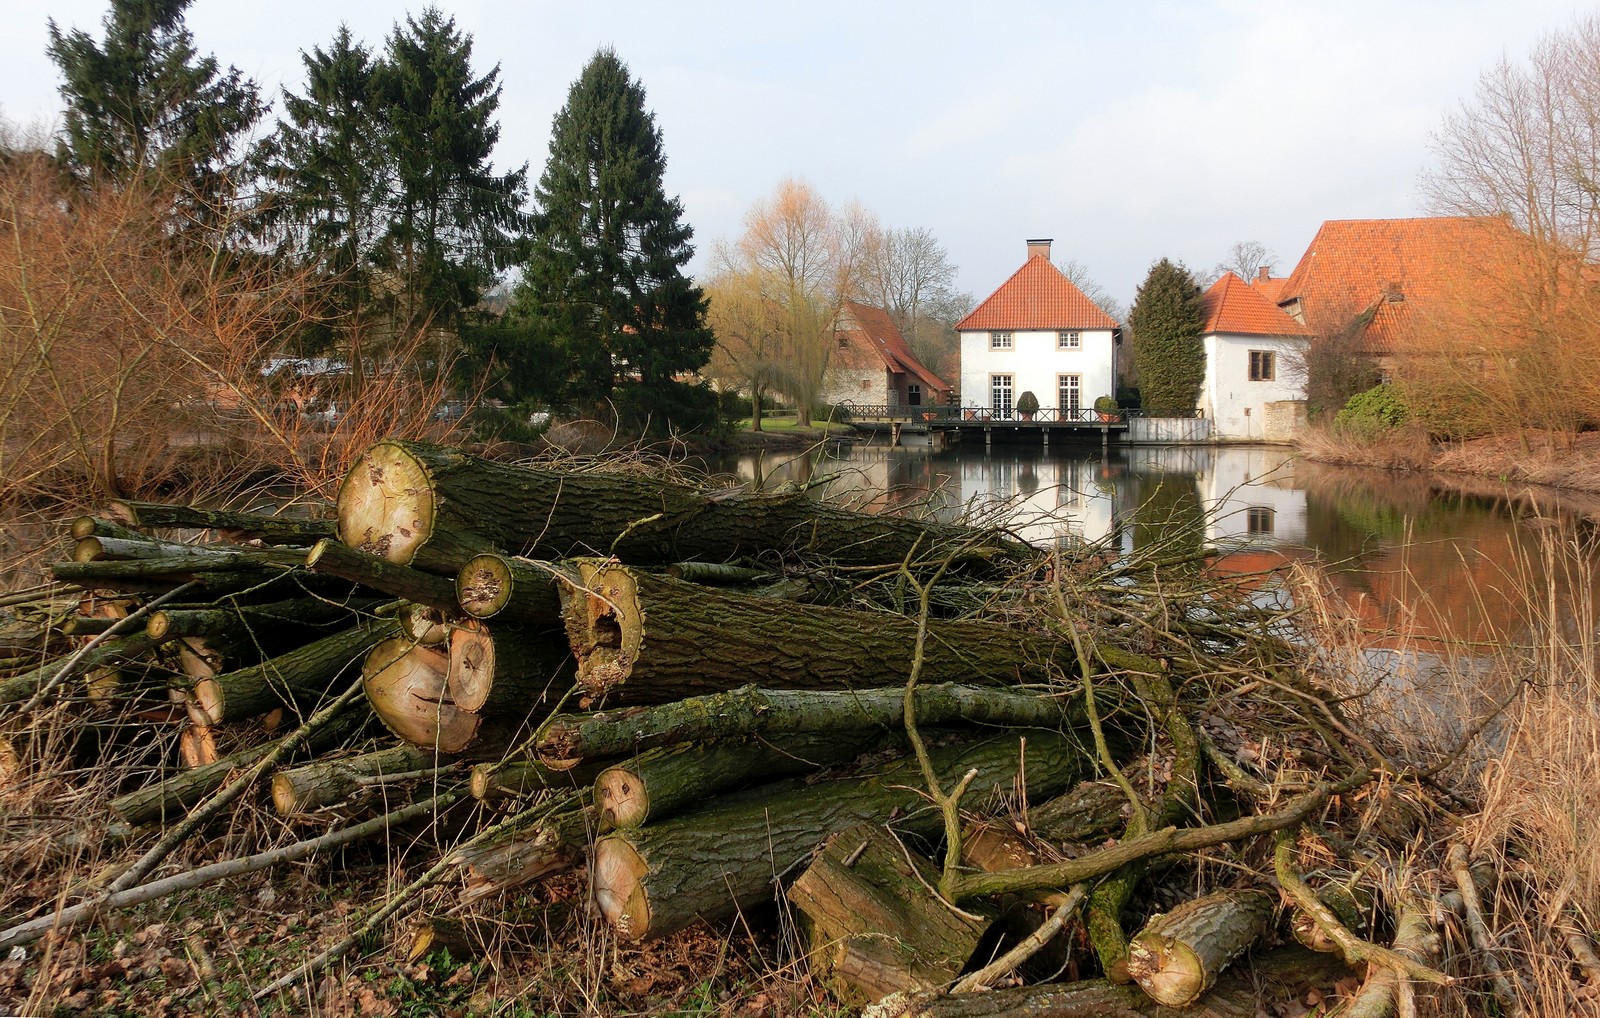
(1028, 403)
(1366, 414)
(1106, 404)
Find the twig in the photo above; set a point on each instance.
(75, 915)
(1478, 930)
(1029, 946)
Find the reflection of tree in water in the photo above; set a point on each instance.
(1169, 515)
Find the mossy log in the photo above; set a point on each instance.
(1178, 955)
(504, 587)
(260, 526)
(113, 651)
(435, 508)
(1088, 812)
(332, 558)
(543, 840)
(506, 668)
(1282, 976)
(296, 679)
(661, 782)
(709, 863)
(172, 797)
(257, 619)
(408, 685)
(175, 557)
(642, 638)
(307, 788)
(750, 711)
(96, 526)
(512, 779)
(872, 924)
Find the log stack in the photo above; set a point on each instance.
(621, 672)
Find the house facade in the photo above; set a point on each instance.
(874, 366)
(1037, 333)
(1254, 387)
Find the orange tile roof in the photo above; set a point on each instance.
(1236, 307)
(875, 332)
(1391, 270)
(1037, 296)
(1270, 287)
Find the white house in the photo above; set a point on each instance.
(1038, 333)
(1254, 388)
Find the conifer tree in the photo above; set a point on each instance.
(454, 223)
(145, 103)
(1167, 348)
(604, 280)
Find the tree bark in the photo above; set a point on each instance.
(662, 782)
(500, 586)
(1281, 976)
(186, 557)
(268, 529)
(435, 508)
(173, 796)
(296, 679)
(114, 651)
(511, 779)
(1178, 956)
(874, 926)
(1088, 812)
(545, 840)
(331, 558)
(257, 619)
(750, 711)
(709, 863)
(306, 789)
(641, 638)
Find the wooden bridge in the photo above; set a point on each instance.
(955, 422)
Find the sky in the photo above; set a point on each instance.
(1125, 132)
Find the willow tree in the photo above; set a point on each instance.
(1167, 348)
(604, 280)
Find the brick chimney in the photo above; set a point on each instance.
(1039, 248)
(1264, 273)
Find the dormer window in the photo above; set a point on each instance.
(1069, 341)
(999, 340)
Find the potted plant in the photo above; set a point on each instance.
(1106, 407)
(1027, 405)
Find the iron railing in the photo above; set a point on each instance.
(894, 412)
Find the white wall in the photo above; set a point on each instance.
(1034, 362)
(1236, 405)
(1241, 480)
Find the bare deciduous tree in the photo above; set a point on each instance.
(1245, 259)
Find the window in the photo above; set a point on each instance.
(1069, 390)
(914, 394)
(1259, 521)
(1262, 366)
(999, 340)
(1068, 341)
(1000, 395)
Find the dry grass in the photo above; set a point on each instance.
(1537, 458)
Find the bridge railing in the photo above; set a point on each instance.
(892, 412)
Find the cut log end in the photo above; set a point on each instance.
(618, 875)
(471, 674)
(621, 797)
(1168, 971)
(386, 504)
(407, 687)
(206, 706)
(287, 799)
(604, 625)
(483, 587)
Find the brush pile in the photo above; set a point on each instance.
(1108, 786)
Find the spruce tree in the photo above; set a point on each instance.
(146, 104)
(1167, 348)
(326, 185)
(604, 280)
(454, 223)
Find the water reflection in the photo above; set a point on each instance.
(1401, 555)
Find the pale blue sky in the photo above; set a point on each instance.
(1155, 129)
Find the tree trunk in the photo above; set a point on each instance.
(709, 863)
(512, 779)
(641, 638)
(1178, 956)
(186, 557)
(268, 529)
(306, 789)
(331, 558)
(662, 782)
(1089, 812)
(499, 586)
(750, 711)
(506, 668)
(873, 926)
(114, 651)
(296, 679)
(1282, 976)
(436, 508)
(172, 798)
(259, 620)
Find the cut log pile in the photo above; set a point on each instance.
(957, 756)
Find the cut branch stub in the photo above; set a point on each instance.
(1178, 956)
(490, 586)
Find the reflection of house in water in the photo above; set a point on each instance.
(1044, 501)
(1252, 500)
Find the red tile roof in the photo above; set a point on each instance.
(1270, 287)
(1391, 270)
(1037, 296)
(875, 333)
(1234, 306)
